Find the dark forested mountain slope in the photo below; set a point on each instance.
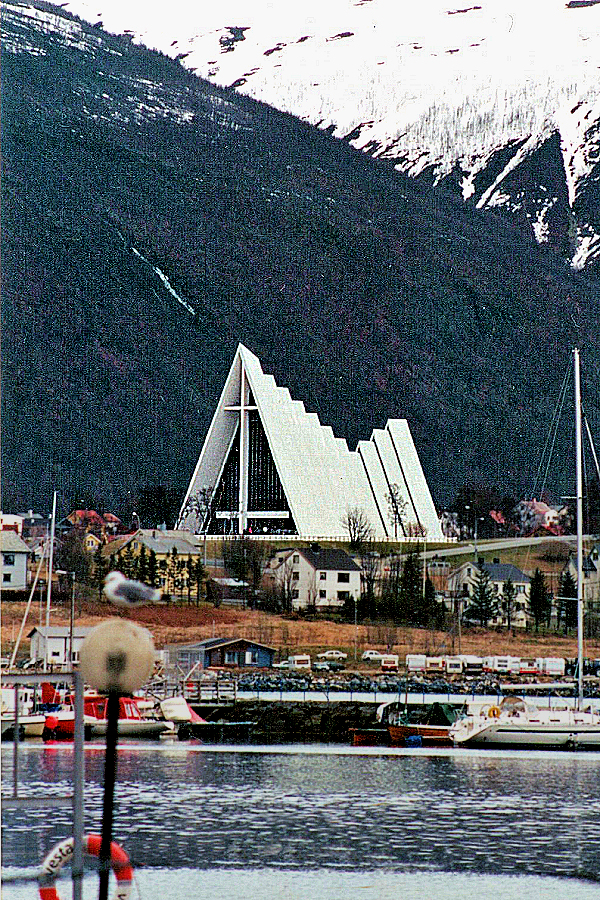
(152, 221)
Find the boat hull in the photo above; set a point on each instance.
(564, 737)
(29, 726)
(429, 734)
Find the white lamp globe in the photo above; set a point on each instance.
(117, 655)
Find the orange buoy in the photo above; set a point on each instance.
(63, 852)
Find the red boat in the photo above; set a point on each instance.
(60, 725)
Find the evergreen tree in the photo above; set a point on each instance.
(173, 572)
(508, 601)
(127, 562)
(152, 575)
(567, 601)
(411, 589)
(483, 606)
(99, 571)
(433, 611)
(389, 605)
(539, 599)
(142, 564)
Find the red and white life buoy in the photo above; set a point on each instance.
(63, 852)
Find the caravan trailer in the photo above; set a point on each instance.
(454, 665)
(416, 662)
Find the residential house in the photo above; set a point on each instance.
(90, 521)
(323, 578)
(91, 542)
(219, 652)
(52, 643)
(172, 551)
(462, 582)
(536, 516)
(10, 522)
(14, 554)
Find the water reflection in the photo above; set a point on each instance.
(190, 806)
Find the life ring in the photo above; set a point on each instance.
(494, 712)
(63, 852)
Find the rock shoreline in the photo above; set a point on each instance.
(300, 721)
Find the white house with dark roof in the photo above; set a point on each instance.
(462, 582)
(320, 577)
(52, 643)
(269, 467)
(14, 554)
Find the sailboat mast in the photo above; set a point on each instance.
(579, 495)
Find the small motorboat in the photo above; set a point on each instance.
(31, 722)
(431, 722)
(60, 724)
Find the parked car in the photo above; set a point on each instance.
(284, 664)
(336, 665)
(321, 666)
(372, 654)
(332, 654)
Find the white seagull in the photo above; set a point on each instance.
(124, 592)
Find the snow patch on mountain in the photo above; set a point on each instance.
(430, 86)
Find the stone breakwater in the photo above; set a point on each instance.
(283, 722)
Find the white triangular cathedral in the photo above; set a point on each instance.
(269, 467)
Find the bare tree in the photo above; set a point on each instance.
(369, 576)
(196, 509)
(358, 527)
(397, 508)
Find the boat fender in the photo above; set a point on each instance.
(63, 852)
(494, 712)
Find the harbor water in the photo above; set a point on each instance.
(313, 822)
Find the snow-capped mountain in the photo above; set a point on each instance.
(498, 102)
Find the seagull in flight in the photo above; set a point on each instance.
(124, 592)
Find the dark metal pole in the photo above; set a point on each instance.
(110, 775)
(78, 787)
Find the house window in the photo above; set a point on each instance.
(343, 595)
(7, 577)
(135, 545)
(295, 595)
(230, 656)
(468, 573)
(55, 653)
(296, 558)
(322, 594)
(295, 576)
(344, 577)
(9, 559)
(322, 576)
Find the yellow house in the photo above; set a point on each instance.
(176, 557)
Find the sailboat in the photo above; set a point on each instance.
(516, 722)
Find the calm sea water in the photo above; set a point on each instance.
(319, 822)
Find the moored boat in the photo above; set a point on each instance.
(430, 722)
(60, 725)
(516, 722)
